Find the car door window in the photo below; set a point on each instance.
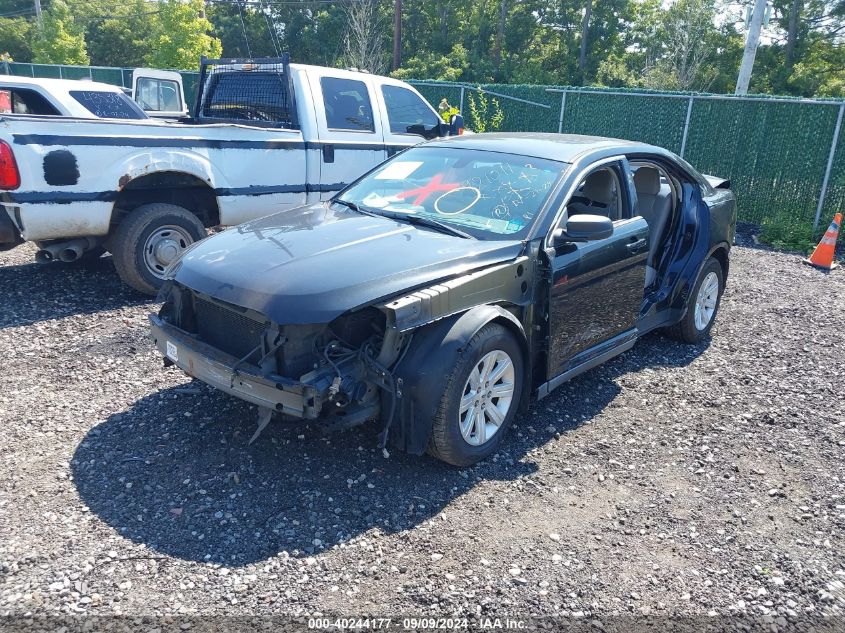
(599, 193)
(24, 101)
(158, 95)
(347, 105)
(407, 113)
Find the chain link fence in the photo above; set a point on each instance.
(785, 157)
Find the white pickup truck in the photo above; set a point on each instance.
(267, 136)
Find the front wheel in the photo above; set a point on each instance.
(149, 239)
(702, 305)
(480, 400)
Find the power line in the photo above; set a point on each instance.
(271, 29)
(15, 14)
(243, 27)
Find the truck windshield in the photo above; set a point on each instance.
(489, 195)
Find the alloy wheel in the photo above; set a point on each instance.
(487, 397)
(705, 302)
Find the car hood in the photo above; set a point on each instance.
(311, 264)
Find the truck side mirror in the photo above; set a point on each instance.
(456, 125)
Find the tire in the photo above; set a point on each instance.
(448, 443)
(133, 245)
(692, 329)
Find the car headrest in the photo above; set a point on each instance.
(647, 181)
(598, 187)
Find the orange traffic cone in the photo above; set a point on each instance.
(822, 257)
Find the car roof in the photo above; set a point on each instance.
(565, 148)
(61, 85)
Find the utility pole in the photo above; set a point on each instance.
(397, 34)
(500, 35)
(38, 12)
(585, 34)
(750, 53)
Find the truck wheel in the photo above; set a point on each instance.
(149, 239)
(480, 400)
(702, 305)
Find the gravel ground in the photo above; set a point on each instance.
(672, 481)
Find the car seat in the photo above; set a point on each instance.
(654, 202)
(597, 196)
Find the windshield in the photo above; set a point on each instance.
(489, 195)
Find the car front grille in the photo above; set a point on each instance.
(226, 329)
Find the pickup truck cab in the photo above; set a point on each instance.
(267, 136)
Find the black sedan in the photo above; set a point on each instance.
(438, 292)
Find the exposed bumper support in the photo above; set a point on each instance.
(219, 370)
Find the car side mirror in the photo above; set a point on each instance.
(584, 228)
(428, 133)
(456, 125)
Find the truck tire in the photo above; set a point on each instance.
(702, 305)
(480, 400)
(149, 239)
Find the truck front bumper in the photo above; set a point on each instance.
(222, 371)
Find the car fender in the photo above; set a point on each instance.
(139, 164)
(422, 374)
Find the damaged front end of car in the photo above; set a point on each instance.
(342, 373)
(329, 371)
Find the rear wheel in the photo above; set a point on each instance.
(149, 239)
(480, 400)
(702, 305)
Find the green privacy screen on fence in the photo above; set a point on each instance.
(775, 151)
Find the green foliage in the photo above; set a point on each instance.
(446, 110)
(122, 39)
(181, 36)
(785, 233)
(226, 26)
(60, 40)
(676, 45)
(15, 38)
(453, 66)
(485, 115)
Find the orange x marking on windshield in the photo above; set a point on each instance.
(434, 185)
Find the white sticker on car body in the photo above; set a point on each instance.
(172, 351)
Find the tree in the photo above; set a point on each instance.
(121, 36)
(451, 67)
(181, 36)
(60, 39)
(363, 46)
(259, 30)
(15, 38)
(688, 32)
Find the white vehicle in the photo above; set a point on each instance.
(159, 93)
(81, 99)
(267, 136)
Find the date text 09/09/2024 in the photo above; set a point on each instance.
(416, 623)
